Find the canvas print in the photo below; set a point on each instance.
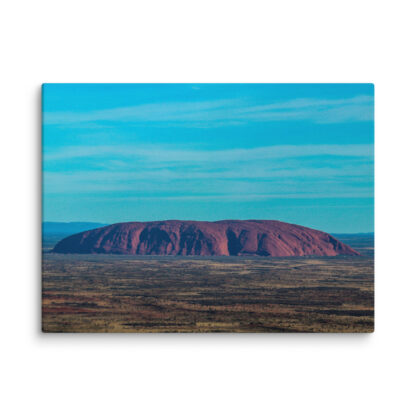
(208, 208)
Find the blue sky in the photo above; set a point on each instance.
(301, 153)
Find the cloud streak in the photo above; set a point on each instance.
(227, 111)
(320, 170)
(168, 154)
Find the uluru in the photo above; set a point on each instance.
(204, 238)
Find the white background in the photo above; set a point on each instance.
(211, 41)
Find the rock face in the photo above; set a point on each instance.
(203, 238)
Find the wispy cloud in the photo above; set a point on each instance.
(169, 154)
(173, 111)
(271, 171)
(220, 112)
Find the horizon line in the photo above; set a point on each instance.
(229, 219)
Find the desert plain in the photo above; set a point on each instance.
(135, 293)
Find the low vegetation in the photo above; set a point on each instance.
(110, 293)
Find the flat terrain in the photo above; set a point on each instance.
(111, 293)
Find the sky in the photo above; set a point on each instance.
(299, 153)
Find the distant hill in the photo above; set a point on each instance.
(204, 238)
(362, 242)
(347, 235)
(68, 228)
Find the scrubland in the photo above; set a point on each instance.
(110, 293)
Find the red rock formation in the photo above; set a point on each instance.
(203, 238)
